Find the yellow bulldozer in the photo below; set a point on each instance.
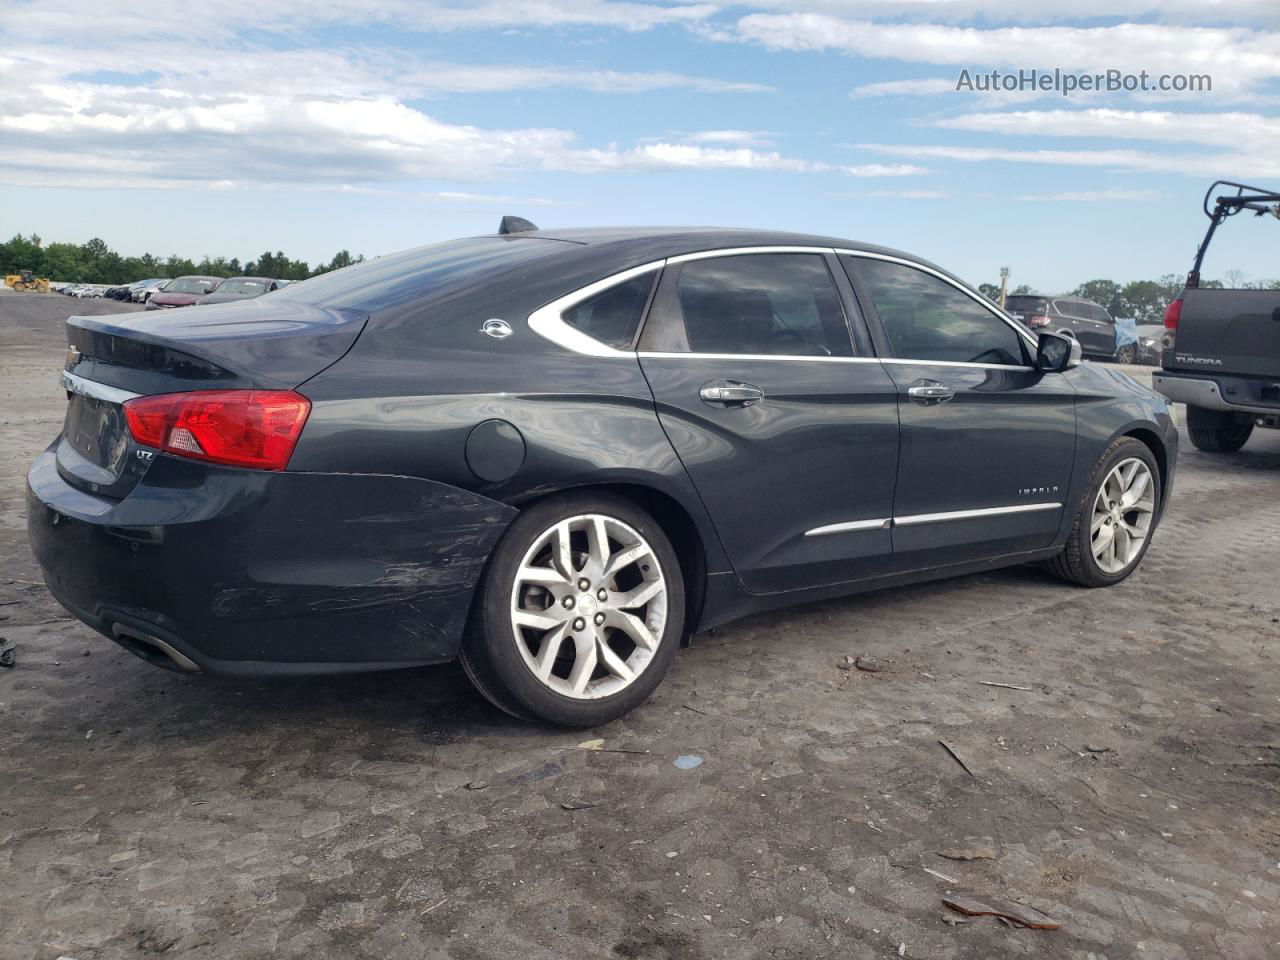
(24, 281)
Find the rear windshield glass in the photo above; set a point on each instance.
(401, 277)
(189, 285)
(254, 287)
(1026, 305)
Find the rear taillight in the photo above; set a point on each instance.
(241, 428)
(1040, 321)
(1172, 314)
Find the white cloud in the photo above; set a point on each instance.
(882, 170)
(926, 86)
(1253, 131)
(1212, 165)
(166, 19)
(909, 194)
(1246, 12)
(1238, 59)
(1092, 196)
(463, 78)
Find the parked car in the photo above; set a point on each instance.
(181, 292)
(1222, 346)
(1149, 344)
(120, 292)
(556, 455)
(239, 288)
(1074, 317)
(147, 288)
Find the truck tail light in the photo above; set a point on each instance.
(240, 428)
(1172, 313)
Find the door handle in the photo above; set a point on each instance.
(731, 393)
(930, 393)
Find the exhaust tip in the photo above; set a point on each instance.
(152, 649)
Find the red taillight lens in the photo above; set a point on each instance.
(242, 428)
(1172, 314)
(1040, 321)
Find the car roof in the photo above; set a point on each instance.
(640, 244)
(694, 239)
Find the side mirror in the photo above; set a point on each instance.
(1056, 353)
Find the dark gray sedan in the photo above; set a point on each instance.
(239, 288)
(556, 455)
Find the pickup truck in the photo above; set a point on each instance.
(1221, 353)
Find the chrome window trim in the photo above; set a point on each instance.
(662, 355)
(98, 391)
(918, 518)
(745, 251)
(972, 295)
(883, 523)
(548, 323)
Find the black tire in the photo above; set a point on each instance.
(1076, 563)
(1216, 432)
(1125, 354)
(489, 654)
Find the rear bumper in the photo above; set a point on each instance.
(1226, 394)
(252, 572)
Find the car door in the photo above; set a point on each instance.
(987, 441)
(788, 431)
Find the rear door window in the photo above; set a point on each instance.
(765, 304)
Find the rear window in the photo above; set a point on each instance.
(1027, 306)
(399, 278)
(254, 287)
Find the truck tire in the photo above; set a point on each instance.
(1215, 432)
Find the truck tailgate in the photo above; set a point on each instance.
(1232, 331)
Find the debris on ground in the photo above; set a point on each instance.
(476, 784)
(1005, 686)
(955, 755)
(580, 804)
(984, 851)
(846, 662)
(688, 761)
(1016, 912)
(953, 920)
(940, 876)
(591, 745)
(1094, 748)
(868, 664)
(8, 657)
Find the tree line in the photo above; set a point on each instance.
(95, 262)
(1143, 300)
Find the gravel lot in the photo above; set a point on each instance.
(1131, 793)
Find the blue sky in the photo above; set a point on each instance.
(381, 124)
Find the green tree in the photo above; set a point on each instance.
(1105, 292)
(990, 291)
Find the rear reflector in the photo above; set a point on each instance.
(241, 428)
(1172, 314)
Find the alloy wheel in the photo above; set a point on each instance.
(588, 606)
(1122, 514)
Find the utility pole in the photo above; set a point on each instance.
(1004, 285)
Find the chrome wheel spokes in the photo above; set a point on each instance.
(588, 606)
(1122, 514)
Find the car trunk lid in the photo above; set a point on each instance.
(243, 345)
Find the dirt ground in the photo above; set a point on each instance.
(1131, 792)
